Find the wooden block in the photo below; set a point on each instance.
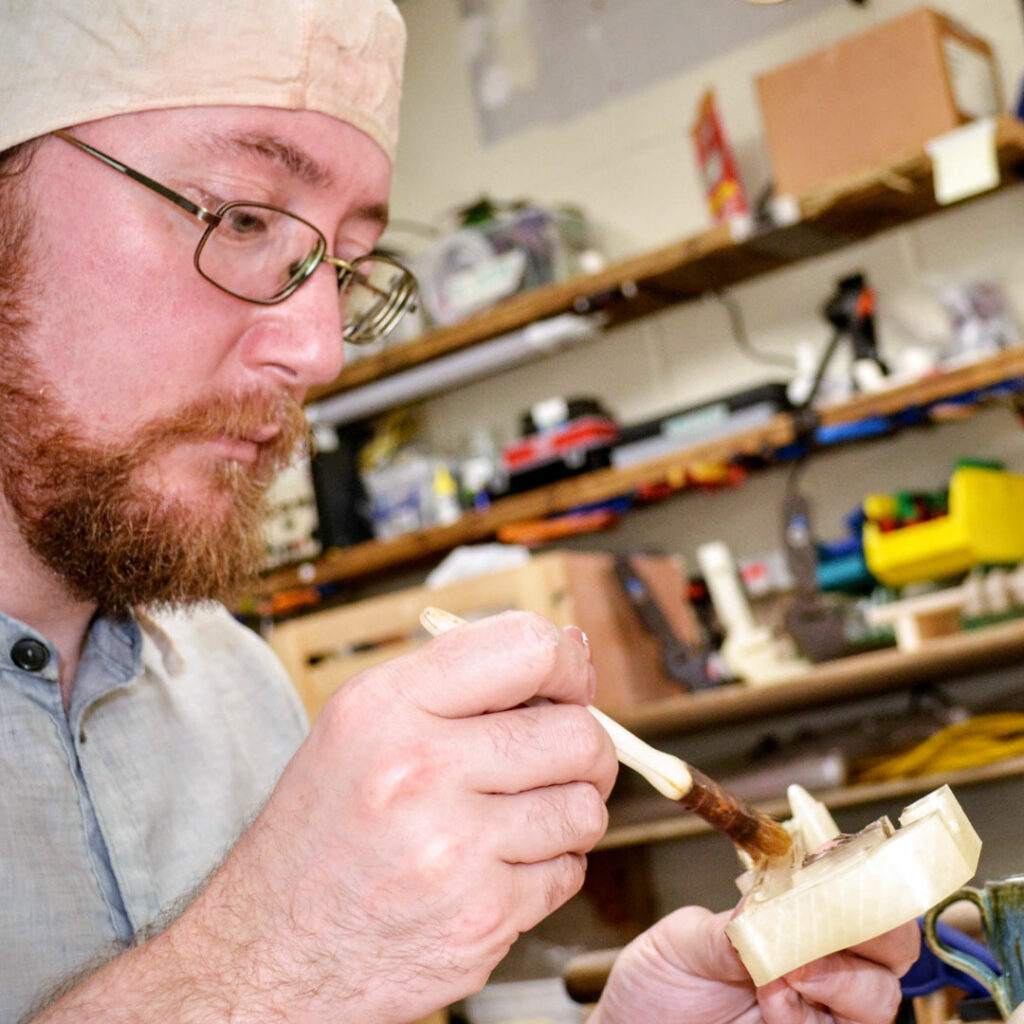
(323, 649)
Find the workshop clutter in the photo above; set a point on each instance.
(411, 493)
(407, 487)
(559, 437)
(499, 249)
(886, 91)
(641, 627)
(913, 565)
(716, 161)
(410, 488)
(913, 538)
(290, 531)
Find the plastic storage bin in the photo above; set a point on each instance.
(983, 526)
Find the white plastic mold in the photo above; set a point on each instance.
(865, 884)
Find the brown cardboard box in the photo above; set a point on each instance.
(326, 648)
(873, 97)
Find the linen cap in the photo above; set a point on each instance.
(64, 62)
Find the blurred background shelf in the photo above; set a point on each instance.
(376, 556)
(941, 659)
(850, 210)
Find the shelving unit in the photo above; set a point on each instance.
(375, 556)
(860, 675)
(884, 197)
(881, 198)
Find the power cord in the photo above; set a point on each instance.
(741, 337)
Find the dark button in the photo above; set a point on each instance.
(30, 655)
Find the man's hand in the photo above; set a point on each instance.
(684, 969)
(428, 820)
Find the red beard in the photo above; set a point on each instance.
(85, 512)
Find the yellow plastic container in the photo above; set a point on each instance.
(985, 524)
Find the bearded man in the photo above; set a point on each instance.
(190, 195)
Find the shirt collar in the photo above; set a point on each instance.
(158, 651)
(121, 646)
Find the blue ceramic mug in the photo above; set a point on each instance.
(1001, 904)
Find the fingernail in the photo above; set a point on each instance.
(575, 631)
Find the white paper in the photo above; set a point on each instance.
(964, 161)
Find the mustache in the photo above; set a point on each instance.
(238, 416)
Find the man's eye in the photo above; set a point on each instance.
(245, 221)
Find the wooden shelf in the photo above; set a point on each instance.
(857, 207)
(678, 823)
(475, 526)
(832, 682)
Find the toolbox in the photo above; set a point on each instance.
(324, 649)
(704, 421)
(576, 446)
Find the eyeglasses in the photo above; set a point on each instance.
(260, 253)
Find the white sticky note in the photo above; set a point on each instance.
(964, 161)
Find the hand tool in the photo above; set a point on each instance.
(680, 662)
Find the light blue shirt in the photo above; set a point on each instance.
(178, 729)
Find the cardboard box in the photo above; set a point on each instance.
(873, 97)
(325, 649)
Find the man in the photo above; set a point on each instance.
(183, 189)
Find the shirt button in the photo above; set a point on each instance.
(30, 655)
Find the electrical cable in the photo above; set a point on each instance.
(741, 337)
(819, 373)
(981, 740)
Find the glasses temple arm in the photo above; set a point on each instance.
(179, 200)
(353, 272)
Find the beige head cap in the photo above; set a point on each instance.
(64, 62)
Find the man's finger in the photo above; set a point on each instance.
(850, 986)
(527, 747)
(494, 664)
(897, 950)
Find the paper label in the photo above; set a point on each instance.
(964, 161)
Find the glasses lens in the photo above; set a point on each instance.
(259, 252)
(375, 293)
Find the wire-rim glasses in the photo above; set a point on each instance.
(262, 254)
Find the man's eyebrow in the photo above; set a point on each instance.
(296, 161)
(278, 151)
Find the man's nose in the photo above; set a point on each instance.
(301, 341)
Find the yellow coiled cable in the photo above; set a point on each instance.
(984, 739)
